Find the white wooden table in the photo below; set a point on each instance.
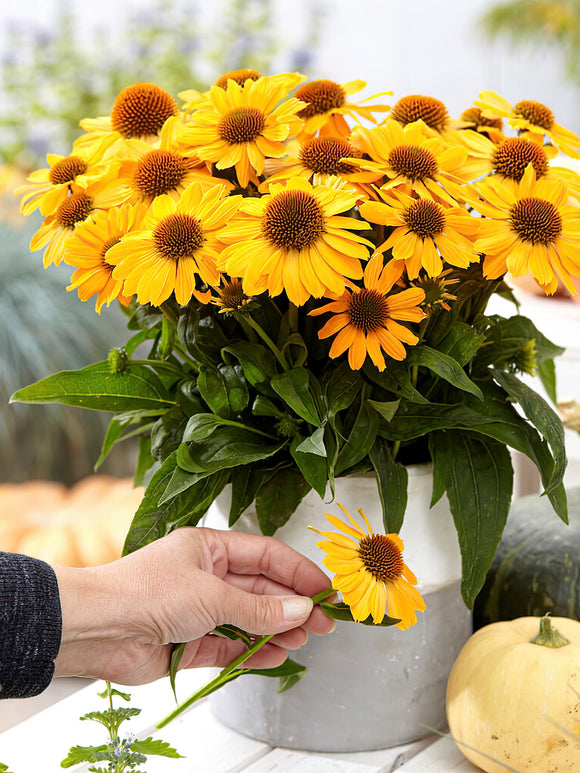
(42, 740)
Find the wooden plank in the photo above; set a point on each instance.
(443, 756)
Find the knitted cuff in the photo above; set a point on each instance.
(30, 625)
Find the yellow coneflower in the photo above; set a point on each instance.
(46, 189)
(243, 126)
(416, 107)
(426, 233)
(412, 157)
(320, 158)
(231, 296)
(365, 319)
(327, 105)
(139, 111)
(531, 117)
(194, 99)
(177, 241)
(435, 289)
(296, 240)
(370, 572)
(529, 227)
(87, 250)
(58, 227)
(473, 119)
(147, 172)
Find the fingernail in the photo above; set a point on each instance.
(296, 607)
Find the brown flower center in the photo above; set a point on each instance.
(141, 110)
(322, 96)
(292, 220)
(65, 170)
(475, 116)
(242, 124)
(232, 296)
(536, 220)
(322, 155)
(416, 107)
(413, 162)
(239, 76)
(178, 236)
(425, 218)
(74, 209)
(368, 310)
(381, 557)
(536, 113)
(159, 172)
(512, 156)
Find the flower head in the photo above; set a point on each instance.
(529, 227)
(87, 250)
(138, 112)
(177, 242)
(425, 232)
(370, 571)
(365, 319)
(294, 239)
(243, 125)
(416, 107)
(531, 117)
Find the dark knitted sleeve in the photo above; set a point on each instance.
(30, 625)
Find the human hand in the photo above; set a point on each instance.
(121, 619)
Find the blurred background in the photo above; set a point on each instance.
(62, 61)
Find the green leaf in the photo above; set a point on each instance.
(461, 342)
(224, 389)
(392, 479)
(313, 444)
(289, 673)
(144, 460)
(154, 519)
(245, 480)
(477, 474)
(293, 387)
(294, 350)
(547, 375)
(234, 633)
(395, 379)
(167, 432)
(341, 386)
(312, 466)
(443, 366)
(78, 754)
(176, 655)
(278, 497)
(155, 746)
(263, 406)
(96, 388)
(226, 447)
(341, 611)
(385, 409)
(118, 430)
(546, 421)
(257, 362)
(361, 437)
(201, 334)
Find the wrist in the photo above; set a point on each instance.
(90, 616)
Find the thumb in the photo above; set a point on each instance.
(262, 614)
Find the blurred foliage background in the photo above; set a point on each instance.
(539, 23)
(50, 78)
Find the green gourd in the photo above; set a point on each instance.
(537, 566)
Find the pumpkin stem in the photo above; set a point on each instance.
(548, 636)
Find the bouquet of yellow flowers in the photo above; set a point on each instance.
(309, 273)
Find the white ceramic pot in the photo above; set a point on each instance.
(366, 688)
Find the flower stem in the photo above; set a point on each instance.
(267, 340)
(230, 672)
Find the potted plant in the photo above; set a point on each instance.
(312, 293)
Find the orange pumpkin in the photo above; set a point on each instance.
(81, 526)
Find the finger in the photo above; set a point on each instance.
(217, 652)
(255, 554)
(318, 623)
(291, 640)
